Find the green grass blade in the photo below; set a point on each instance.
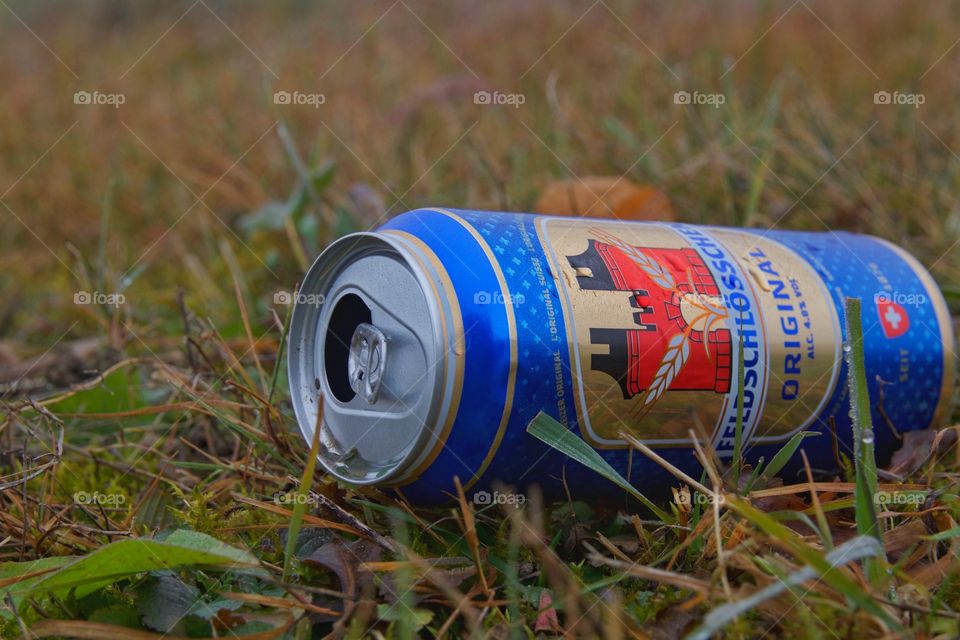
(278, 363)
(865, 462)
(786, 452)
(300, 502)
(123, 559)
(548, 430)
(953, 532)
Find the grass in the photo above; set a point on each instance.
(161, 423)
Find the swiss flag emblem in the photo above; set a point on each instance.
(893, 318)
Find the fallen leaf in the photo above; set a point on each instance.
(673, 621)
(930, 574)
(604, 197)
(787, 502)
(917, 448)
(629, 544)
(902, 537)
(164, 601)
(345, 560)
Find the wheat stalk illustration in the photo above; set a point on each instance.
(663, 278)
(673, 361)
(711, 313)
(678, 346)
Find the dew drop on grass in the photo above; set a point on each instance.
(867, 436)
(854, 404)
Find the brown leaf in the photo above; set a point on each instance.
(785, 502)
(345, 560)
(917, 448)
(65, 364)
(929, 575)
(903, 537)
(629, 544)
(674, 621)
(604, 197)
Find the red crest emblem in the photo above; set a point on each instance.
(680, 341)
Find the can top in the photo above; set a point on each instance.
(367, 337)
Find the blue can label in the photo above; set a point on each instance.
(625, 327)
(658, 314)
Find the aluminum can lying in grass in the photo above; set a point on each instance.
(435, 340)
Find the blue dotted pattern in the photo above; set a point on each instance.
(521, 458)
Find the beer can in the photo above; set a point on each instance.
(433, 341)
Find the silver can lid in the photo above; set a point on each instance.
(367, 335)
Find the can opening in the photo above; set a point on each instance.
(349, 312)
(380, 295)
(368, 353)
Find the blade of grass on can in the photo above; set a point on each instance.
(865, 462)
(551, 432)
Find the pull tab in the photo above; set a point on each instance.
(368, 354)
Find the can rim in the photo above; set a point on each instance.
(303, 370)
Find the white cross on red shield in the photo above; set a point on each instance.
(893, 318)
